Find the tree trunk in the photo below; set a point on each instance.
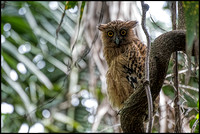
(133, 113)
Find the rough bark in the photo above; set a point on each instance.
(181, 16)
(133, 113)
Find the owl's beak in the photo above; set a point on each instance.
(117, 41)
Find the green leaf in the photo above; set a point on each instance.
(191, 10)
(190, 100)
(41, 76)
(10, 60)
(20, 26)
(74, 40)
(70, 4)
(197, 116)
(168, 91)
(192, 122)
(197, 126)
(81, 10)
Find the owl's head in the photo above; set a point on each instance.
(117, 33)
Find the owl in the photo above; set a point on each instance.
(125, 56)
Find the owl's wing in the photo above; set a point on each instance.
(125, 73)
(118, 87)
(134, 68)
(141, 47)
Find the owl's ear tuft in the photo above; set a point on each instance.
(132, 24)
(102, 27)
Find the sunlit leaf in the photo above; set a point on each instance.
(197, 116)
(37, 26)
(66, 119)
(17, 87)
(9, 47)
(70, 4)
(192, 125)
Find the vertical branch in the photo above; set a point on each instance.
(145, 8)
(87, 50)
(173, 8)
(181, 16)
(175, 72)
(61, 21)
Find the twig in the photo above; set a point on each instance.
(194, 125)
(102, 110)
(175, 72)
(157, 25)
(59, 26)
(75, 38)
(145, 8)
(182, 86)
(116, 125)
(182, 71)
(189, 87)
(87, 50)
(189, 94)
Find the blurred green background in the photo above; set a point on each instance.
(58, 85)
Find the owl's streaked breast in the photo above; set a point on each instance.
(125, 56)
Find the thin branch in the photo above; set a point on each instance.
(59, 26)
(102, 110)
(182, 86)
(189, 87)
(189, 94)
(181, 16)
(145, 8)
(181, 72)
(75, 38)
(87, 50)
(116, 125)
(194, 125)
(157, 24)
(175, 72)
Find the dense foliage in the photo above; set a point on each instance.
(54, 79)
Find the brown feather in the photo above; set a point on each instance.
(125, 61)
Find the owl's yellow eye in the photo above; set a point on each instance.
(123, 32)
(110, 33)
